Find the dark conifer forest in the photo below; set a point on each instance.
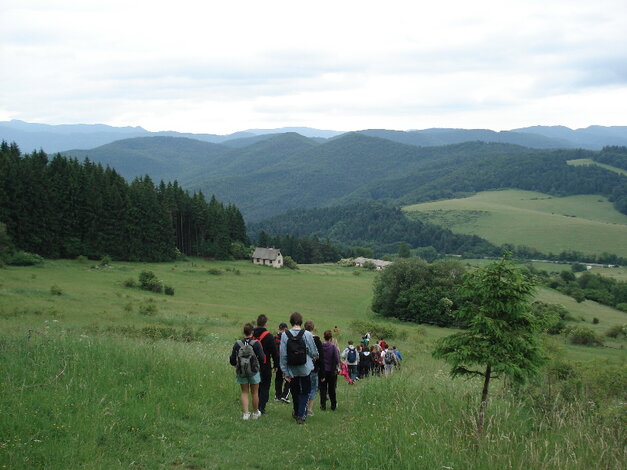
(61, 208)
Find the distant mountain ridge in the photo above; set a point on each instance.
(56, 138)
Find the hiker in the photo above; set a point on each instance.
(382, 344)
(266, 339)
(328, 371)
(281, 386)
(316, 372)
(351, 356)
(298, 350)
(375, 356)
(247, 355)
(365, 340)
(399, 355)
(344, 373)
(390, 361)
(365, 361)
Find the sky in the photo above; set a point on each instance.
(222, 66)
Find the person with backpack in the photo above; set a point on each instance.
(316, 372)
(266, 339)
(390, 361)
(247, 356)
(351, 356)
(328, 371)
(375, 355)
(365, 361)
(298, 351)
(281, 386)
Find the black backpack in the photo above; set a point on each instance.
(296, 348)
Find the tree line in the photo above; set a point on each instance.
(61, 208)
(373, 225)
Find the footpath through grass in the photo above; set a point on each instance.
(107, 377)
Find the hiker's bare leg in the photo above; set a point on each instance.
(254, 388)
(244, 397)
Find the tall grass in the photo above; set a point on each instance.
(73, 401)
(87, 383)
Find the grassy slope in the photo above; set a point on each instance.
(131, 402)
(586, 223)
(589, 161)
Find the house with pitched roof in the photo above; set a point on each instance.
(268, 257)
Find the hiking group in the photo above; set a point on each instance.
(303, 365)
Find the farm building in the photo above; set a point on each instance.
(268, 257)
(378, 263)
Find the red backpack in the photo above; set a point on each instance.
(262, 336)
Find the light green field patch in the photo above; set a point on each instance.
(585, 223)
(589, 161)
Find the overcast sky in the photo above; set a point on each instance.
(223, 66)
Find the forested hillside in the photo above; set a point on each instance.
(60, 207)
(163, 158)
(355, 168)
(288, 171)
(371, 225)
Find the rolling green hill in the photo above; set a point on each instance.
(92, 378)
(162, 158)
(584, 223)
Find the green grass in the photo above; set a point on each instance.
(585, 223)
(83, 384)
(589, 161)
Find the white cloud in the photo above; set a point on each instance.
(224, 66)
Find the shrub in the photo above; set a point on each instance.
(148, 308)
(82, 259)
(289, 262)
(24, 258)
(148, 281)
(214, 271)
(377, 330)
(583, 335)
(622, 307)
(168, 290)
(356, 273)
(56, 290)
(369, 265)
(130, 282)
(159, 332)
(105, 261)
(617, 331)
(595, 321)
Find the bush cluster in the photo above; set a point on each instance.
(23, 258)
(582, 335)
(378, 330)
(148, 281)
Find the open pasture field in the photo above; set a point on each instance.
(585, 223)
(95, 375)
(590, 161)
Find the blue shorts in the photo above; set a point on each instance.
(255, 379)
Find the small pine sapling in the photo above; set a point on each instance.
(503, 336)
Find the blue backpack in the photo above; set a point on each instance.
(352, 355)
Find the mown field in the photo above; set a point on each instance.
(95, 375)
(585, 223)
(589, 161)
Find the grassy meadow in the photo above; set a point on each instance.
(585, 223)
(95, 375)
(590, 161)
